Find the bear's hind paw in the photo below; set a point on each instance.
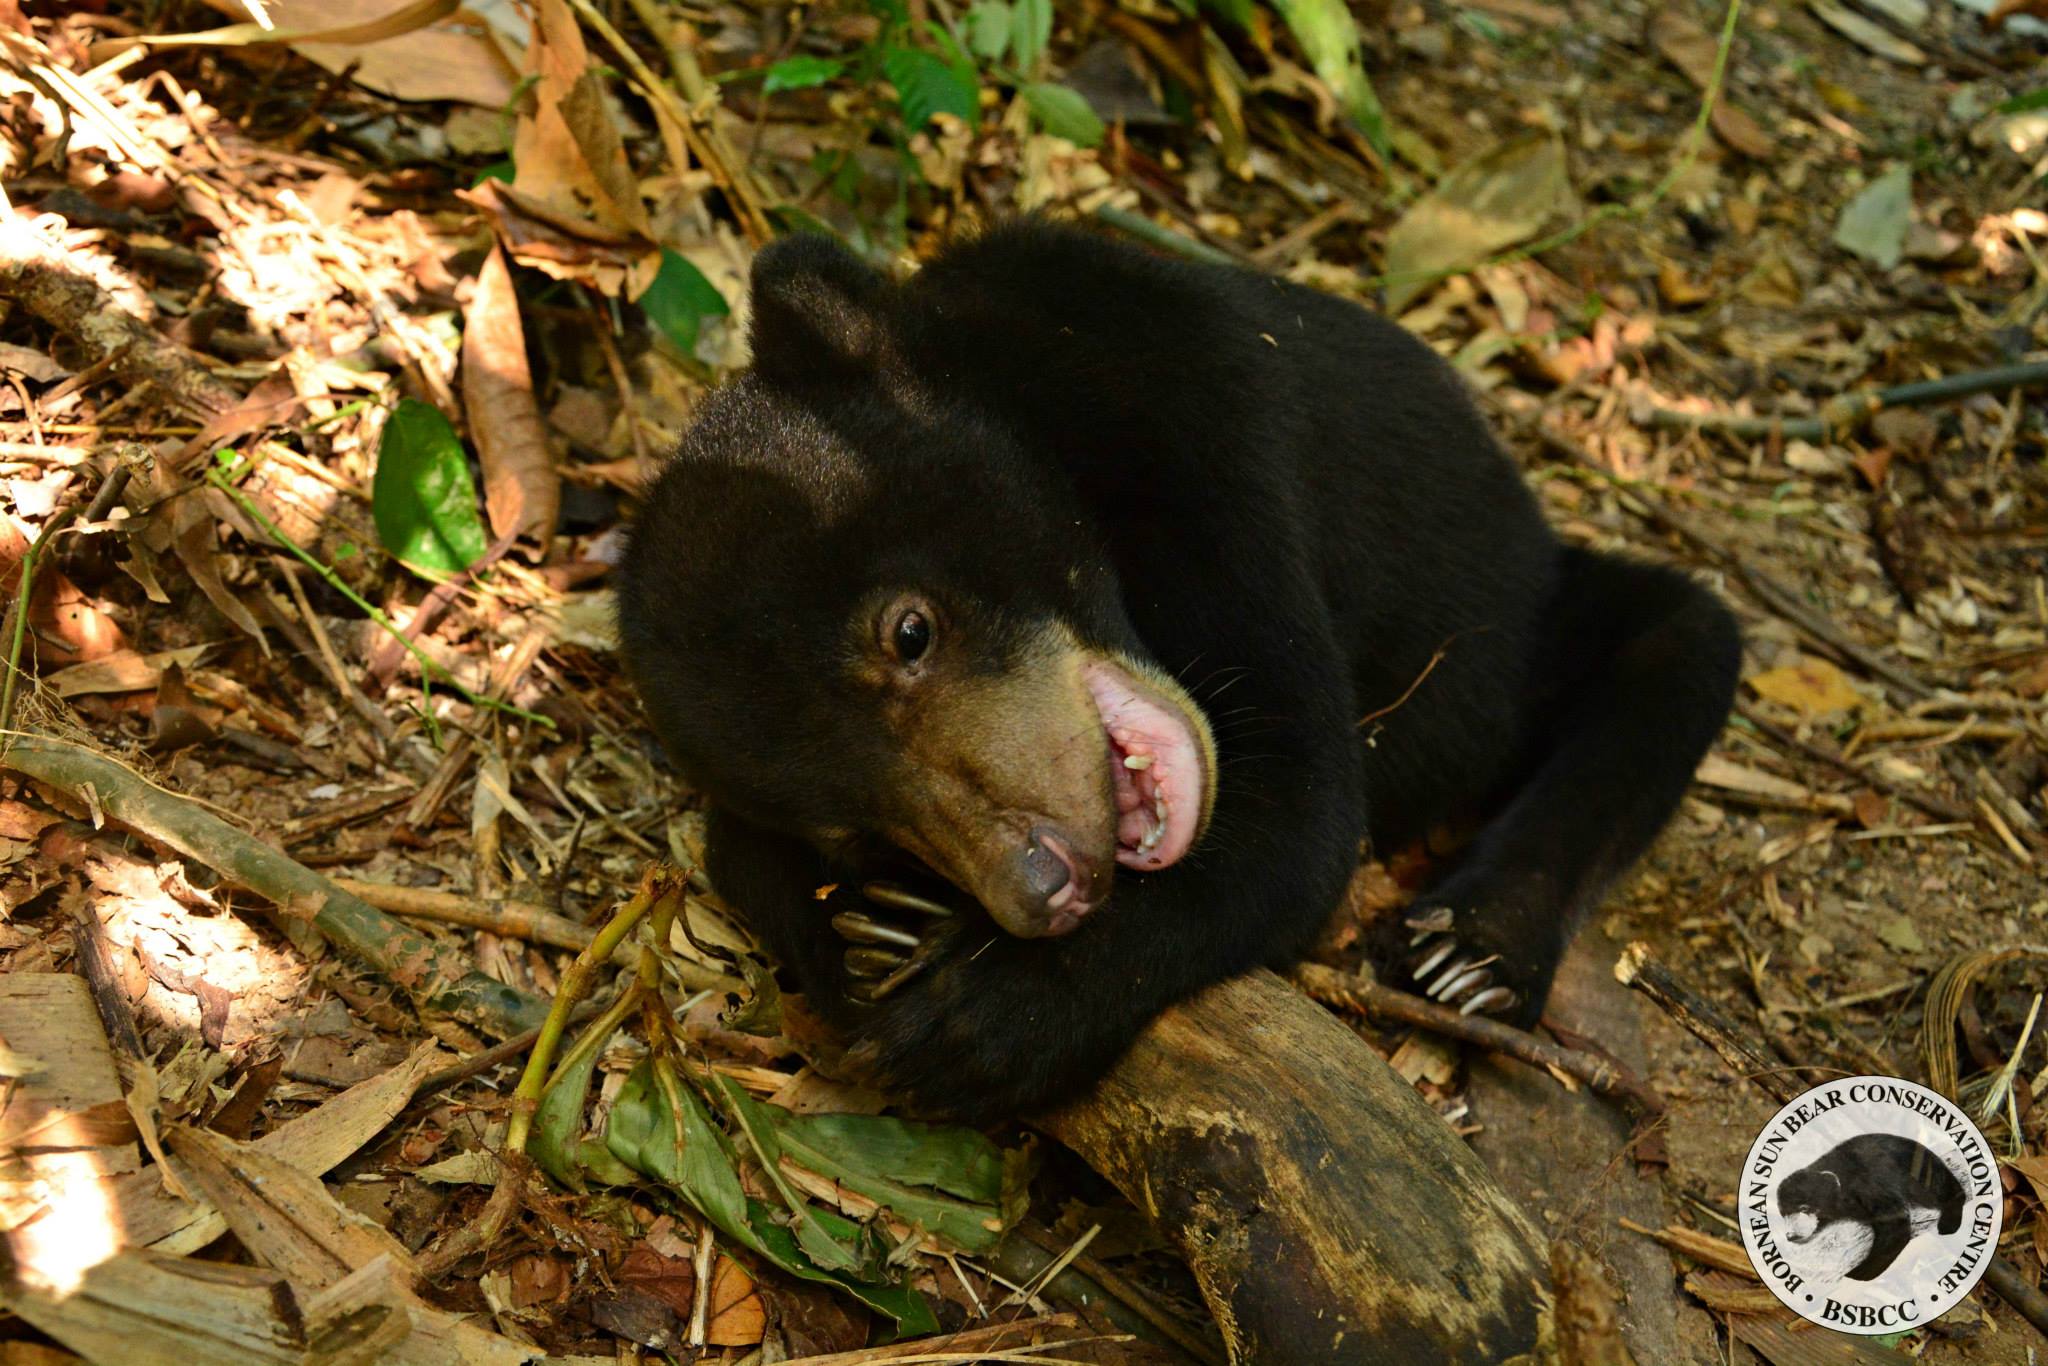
(1446, 972)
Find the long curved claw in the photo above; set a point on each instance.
(873, 962)
(1492, 1001)
(861, 929)
(902, 899)
(879, 965)
(1443, 972)
(1472, 979)
(1433, 958)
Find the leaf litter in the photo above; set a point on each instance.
(296, 248)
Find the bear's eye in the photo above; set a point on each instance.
(911, 637)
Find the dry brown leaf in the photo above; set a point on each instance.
(561, 245)
(522, 483)
(66, 625)
(194, 538)
(1813, 687)
(737, 1317)
(1502, 196)
(568, 151)
(589, 120)
(320, 23)
(121, 671)
(670, 1279)
(1681, 41)
(30, 364)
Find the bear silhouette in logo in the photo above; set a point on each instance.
(1883, 1185)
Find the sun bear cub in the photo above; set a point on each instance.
(1105, 588)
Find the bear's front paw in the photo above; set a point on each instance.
(975, 1033)
(891, 942)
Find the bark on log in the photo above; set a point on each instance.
(1329, 1214)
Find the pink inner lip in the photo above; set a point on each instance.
(1158, 768)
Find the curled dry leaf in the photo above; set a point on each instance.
(522, 484)
(566, 146)
(65, 626)
(558, 244)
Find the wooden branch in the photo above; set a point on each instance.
(1643, 970)
(35, 274)
(1327, 1212)
(1367, 997)
(437, 978)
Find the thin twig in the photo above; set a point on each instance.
(1844, 413)
(384, 658)
(324, 648)
(1939, 807)
(1368, 997)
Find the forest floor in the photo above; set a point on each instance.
(222, 266)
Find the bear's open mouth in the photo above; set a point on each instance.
(1162, 762)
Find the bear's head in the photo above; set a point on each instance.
(861, 611)
(1809, 1199)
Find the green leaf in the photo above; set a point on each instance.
(988, 29)
(693, 1157)
(497, 170)
(1064, 113)
(421, 497)
(1237, 13)
(905, 1166)
(1329, 37)
(758, 1127)
(926, 85)
(2025, 104)
(800, 73)
(946, 1157)
(1030, 34)
(1873, 224)
(558, 1121)
(696, 1160)
(679, 301)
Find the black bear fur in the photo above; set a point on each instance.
(1286, 502)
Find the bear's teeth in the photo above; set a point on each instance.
(1138, 763)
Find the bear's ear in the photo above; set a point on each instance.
(815, 308)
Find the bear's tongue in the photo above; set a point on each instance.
(1157, 765)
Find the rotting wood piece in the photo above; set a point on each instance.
(1328, 1213)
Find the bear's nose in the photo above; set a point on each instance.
(1062, 882)
(1045, 872)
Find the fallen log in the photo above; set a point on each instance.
(1327, 1212)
